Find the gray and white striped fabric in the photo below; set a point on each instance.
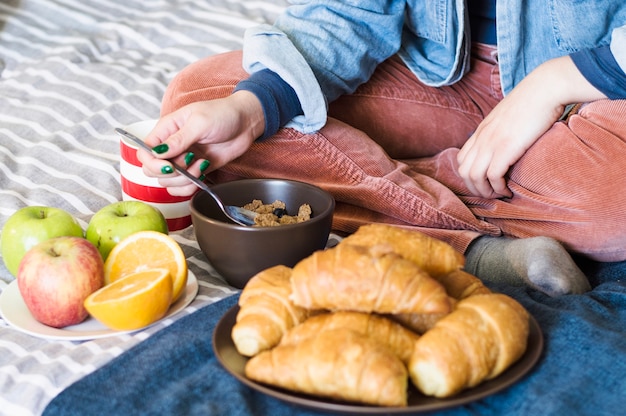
(70, 72)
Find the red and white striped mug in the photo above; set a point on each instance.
(137, 186)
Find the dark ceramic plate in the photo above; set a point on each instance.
(234, 363)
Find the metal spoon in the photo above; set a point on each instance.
(239, 215)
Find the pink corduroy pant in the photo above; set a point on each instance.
(388, 154)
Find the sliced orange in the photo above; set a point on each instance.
(134, 301)
(147, 250)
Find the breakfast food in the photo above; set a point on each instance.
(338, 364)
(371, 321)
(397, 338)
(274, 214)
(459, 285)
(266, 312)
(478, 341)
(148, 249)
(418, 322)
(364, 279)
(133, 301)
(434, 256)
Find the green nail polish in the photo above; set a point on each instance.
(161, 148)
(188, 158)
(204, 165)
(202, 177)
(167, 169)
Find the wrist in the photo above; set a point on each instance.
(278, 99)
(566, 83)
(251, 109)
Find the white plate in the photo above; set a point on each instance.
(16, 314)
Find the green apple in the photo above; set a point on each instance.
(120, 219)
(30, 226)
(56, 276)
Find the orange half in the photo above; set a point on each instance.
(132, 302)
(145, 250)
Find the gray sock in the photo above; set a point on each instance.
(539, 262)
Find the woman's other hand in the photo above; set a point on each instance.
(517, 122)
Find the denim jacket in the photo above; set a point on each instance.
(325, 48)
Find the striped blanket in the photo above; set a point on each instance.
(70, 72)
(73, 70)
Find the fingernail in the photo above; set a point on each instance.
(204, 165)
(202, 177)
(188, 158)
(161, 148)
(167, 169)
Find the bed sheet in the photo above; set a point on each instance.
(70, 72)
(73, 70)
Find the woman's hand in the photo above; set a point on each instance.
(517, 122)
(202, 136)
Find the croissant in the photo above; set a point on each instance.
(397, 338)
(266, 312)
(418, 322)
(478, 341)
(434, 256)
(337, 364)
(459, 284)
(350, 277)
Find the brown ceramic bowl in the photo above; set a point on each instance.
(238, 252)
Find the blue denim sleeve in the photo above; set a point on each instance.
(344, 41)
(279, 101)
(600, 68)
(324, 49)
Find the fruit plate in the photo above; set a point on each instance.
(16, 314)
(234, 363)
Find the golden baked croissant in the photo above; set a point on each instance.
(266, 312)
(338, 364)
(479, 340)
(419, 322)
(434, 256)
(399, 339)
(350, 277)
(459, 284)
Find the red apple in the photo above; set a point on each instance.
(56, 275)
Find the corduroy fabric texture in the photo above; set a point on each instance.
(388, 154)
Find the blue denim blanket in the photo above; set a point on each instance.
(582, 370)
